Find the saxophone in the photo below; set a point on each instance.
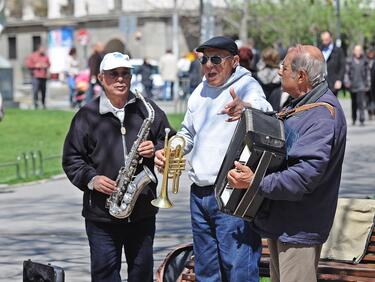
(121, 202)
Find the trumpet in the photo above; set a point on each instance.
(174, 165)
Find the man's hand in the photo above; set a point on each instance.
(146, 149)
(338, 85)
(104, 184)
(240, 177)
(235, 107)
(160, 160)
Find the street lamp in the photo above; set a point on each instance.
(175, 45)
(338, 24)
(207, 20)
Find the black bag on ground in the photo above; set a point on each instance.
(38, 272)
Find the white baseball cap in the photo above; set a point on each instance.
(115, 60)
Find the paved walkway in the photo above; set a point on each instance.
(42, 222)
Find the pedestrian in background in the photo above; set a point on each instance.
(268, 77)
(72, 71)
(38, 63)
(195, 72)
(268, 70)
(2, 112)
(246, 56)
(357, 80)
(256, 55)
(168, 71)
(371, 92)
(335, 59)
(145, 70)
(94, 65)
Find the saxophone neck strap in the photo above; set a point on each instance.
(288, 113)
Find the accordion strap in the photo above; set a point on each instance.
(285, 114)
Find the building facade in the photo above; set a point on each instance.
(143, 28)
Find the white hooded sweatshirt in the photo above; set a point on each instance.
(206, 132)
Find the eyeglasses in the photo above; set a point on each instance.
(115, 74)
(216, 60)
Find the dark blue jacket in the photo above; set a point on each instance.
(301, 198)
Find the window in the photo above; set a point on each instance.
(12, 47)
(37, 40)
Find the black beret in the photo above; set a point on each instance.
(220, 42)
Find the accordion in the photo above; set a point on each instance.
(258, 142)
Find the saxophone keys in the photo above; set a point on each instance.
(127, 198)
(131, 188)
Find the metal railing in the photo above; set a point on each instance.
(28, 164)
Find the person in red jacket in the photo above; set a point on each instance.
(38, 64)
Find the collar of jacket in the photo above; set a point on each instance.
(312, 96)
(105, 105)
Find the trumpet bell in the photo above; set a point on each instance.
(162, 202)
(174, 164)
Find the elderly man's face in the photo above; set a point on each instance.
(217, 74)
(288, 78)
(116, 82)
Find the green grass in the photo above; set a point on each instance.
(344, 94)
(175, 120)
(26, 131)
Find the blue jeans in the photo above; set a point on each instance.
(106, 242)
(90, 93)
(72, 89)
(168, 90)
(225, 247)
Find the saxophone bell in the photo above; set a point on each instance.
(134, 189)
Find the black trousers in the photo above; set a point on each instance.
(39, 85)
(106, 243)
(358, 105)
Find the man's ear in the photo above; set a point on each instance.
(303, 80)
(302, 76)
(236, 61)
(100, 77)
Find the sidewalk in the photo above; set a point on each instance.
(42, 222)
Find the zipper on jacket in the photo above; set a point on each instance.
(123, 132)
(90, 202)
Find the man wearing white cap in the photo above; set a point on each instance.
(100, 137)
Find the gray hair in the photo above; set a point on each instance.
(316, 69)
